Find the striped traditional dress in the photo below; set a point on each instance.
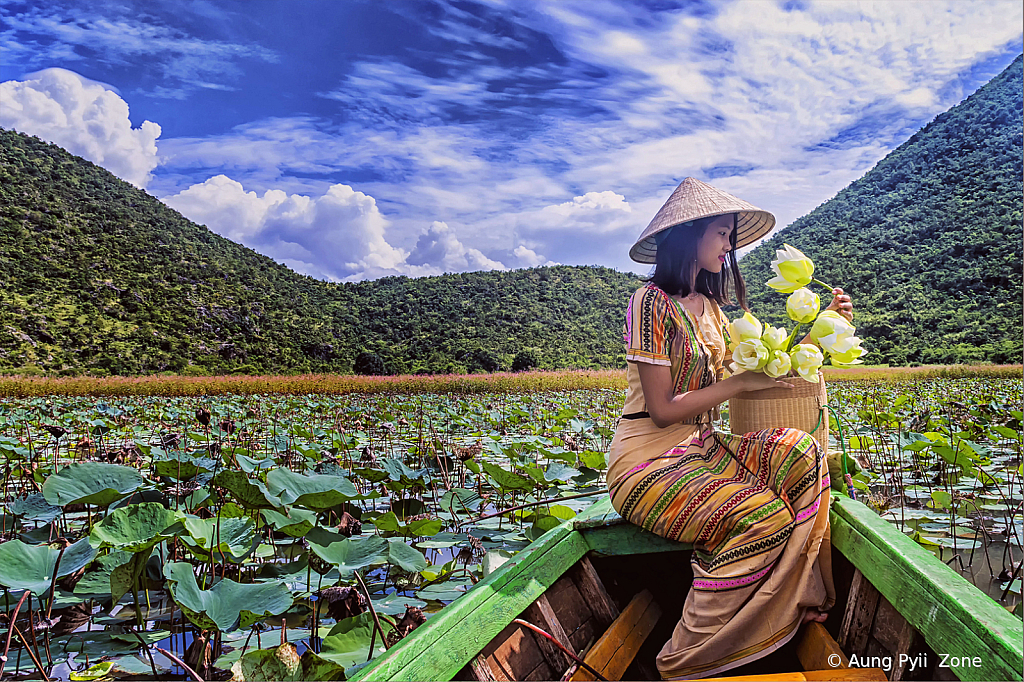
(755, 507)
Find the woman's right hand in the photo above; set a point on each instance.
(758, 381)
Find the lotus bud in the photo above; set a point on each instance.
(750, 355)
(850, 356)
(803, 305)
(746, 328)
(807, 359)
(830, 322)
(792, 269)
(778, 364)
(774, 338)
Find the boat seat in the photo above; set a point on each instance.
(838, 674)
(617, 647)
(818, 654)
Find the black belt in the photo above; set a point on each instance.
(637, 415)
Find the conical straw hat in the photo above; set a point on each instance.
(694, 199)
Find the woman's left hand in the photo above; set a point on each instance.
(841, 304)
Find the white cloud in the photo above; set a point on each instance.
(582, 231)
(530, 259)
(783, 106)
(78, 33)
(440, 248)
(84, 117)
(339, 235)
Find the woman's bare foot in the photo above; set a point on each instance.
(814, 615)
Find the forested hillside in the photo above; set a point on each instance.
(98, 276)
(929, 242)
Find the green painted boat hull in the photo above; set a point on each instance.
(983, 640)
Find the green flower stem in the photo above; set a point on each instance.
(827, 286)
(792, 337)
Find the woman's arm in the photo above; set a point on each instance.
(666, 408)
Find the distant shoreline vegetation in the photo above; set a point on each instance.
(498, 382)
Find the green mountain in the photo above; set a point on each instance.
(98, 276)
(928, 243)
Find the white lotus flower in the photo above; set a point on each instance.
(807, 359)
(792, 268)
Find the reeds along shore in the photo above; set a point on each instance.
(497, 382)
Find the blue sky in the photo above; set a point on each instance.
(352, 140)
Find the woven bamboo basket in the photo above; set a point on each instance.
(801, 407)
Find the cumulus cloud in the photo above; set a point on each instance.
(581, 231)
(439, 247)
(85, 117)
(339, 235)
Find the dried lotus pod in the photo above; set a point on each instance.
(412, 619)
(343, 602)
(349, 525)
(57, 432)
(315, 562)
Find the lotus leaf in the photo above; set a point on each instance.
(593, 459)
(408, 506)
(250, 493)
(425, 527)
(138, 497)
(561, 511)
(397, 470)
(460, 500)
(441, 592)
(135, 528)
(387, 523)
(227, 605)
(507, 480)
(314, 491)
(284, 663)
(371, 475)
(560, 472)
(34, 508)
(94, 672)
(296, 574)
(396, 603)
(181, 466)
(225, 537)
(91, 483)
(95, 643)
(31, 567)
(542, 525)
(250, 464)
(347, 642)
(11, 448)
(348, 554)
(124, 576)
(296, 522)
(405, 557)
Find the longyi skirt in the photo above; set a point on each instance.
(755, 509)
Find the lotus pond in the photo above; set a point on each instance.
(265, 537)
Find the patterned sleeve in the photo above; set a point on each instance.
(647, 329)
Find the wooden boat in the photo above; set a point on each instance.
(611, 593)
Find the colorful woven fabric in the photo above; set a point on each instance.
(754, 507)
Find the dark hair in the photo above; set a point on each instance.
(676, 260)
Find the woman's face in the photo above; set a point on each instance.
(715, 244)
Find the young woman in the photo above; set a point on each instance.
(755, 507)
